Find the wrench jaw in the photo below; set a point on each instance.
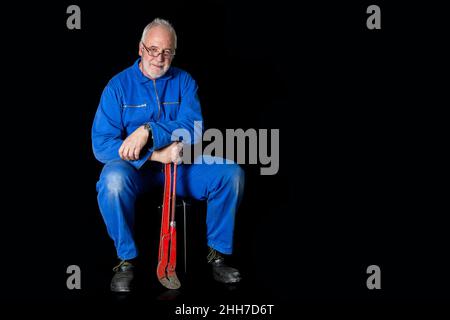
(170, 281)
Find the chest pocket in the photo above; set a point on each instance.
(170, 109)
(134, 114)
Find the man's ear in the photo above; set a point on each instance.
(140, 48)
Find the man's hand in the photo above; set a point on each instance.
(169, 154)
(131, 147)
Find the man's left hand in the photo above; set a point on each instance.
(131, 147)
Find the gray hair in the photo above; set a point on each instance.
(160, 22)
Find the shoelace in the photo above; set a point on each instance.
(122, 263)
(213, 255)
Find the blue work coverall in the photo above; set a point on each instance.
(170, 102)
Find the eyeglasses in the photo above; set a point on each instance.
(155, 52)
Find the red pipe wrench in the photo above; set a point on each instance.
(167, 256)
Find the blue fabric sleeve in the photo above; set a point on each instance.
(107, 129)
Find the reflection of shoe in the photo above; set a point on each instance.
(123, 277)
(222, 272)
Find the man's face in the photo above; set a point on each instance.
(157, 40)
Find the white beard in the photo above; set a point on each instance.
(154, 72)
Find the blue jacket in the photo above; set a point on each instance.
(130, 100)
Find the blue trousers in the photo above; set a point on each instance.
(221, 185)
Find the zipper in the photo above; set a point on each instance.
(135, 106)
(157, 99)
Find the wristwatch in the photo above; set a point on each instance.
(150, 137)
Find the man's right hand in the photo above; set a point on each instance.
(169, 154)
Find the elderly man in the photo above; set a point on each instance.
(138, 111)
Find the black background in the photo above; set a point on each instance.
(360, 114)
